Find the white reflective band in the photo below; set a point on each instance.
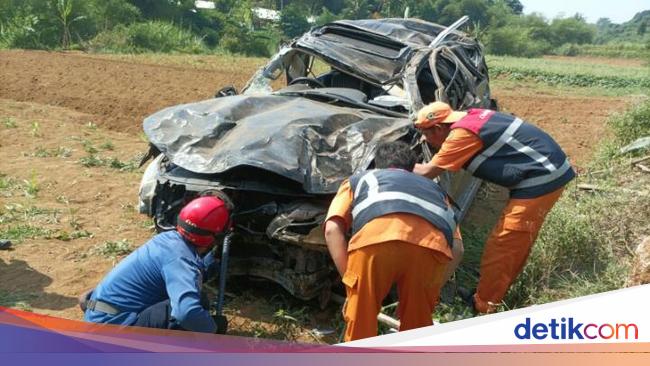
(543, 179)
(533, 154)
(498, 144)
(445, 214)
(370, 179)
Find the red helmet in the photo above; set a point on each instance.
(201, 219)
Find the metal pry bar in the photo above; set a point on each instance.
(441, 36)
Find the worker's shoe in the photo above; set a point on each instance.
(5, 244)
(448, 292)
(468, 298)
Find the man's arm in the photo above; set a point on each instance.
(182, 280)
(459, 148)
(337, 222)
(428, 170)
(337, 243)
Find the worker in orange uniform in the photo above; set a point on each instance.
(507, 151)
(402, 232)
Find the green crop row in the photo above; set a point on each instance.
(620, 50)
(569, 73)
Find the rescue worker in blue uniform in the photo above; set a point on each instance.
(159, 284)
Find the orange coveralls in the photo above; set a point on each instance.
(509, 244)
(395, 248)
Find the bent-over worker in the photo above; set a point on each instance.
(509, 152)
(402, 232)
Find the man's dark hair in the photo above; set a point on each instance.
(395, 155)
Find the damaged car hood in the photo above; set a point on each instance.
(314, 143)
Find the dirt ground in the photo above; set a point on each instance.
(66, 119)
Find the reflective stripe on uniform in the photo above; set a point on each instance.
(496, 146)
(532, 153)
(543, 179)
(371, 181)
(445, 214)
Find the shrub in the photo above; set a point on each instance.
(632, 125)
(514, 41)
(152, 36)
(567, 49)
(20, 32)
(249, 43)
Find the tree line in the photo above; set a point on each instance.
(234, 26)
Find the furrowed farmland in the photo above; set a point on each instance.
(71, 140)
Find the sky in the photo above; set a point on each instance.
(618, 11)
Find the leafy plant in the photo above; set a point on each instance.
(31, 186)
(64, 15)
(9, 122)
(113, 249)
(35, 130)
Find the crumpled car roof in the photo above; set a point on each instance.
(313, 143)
(379, 50)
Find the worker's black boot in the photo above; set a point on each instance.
(468, 298)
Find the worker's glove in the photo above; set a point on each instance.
(221, 322)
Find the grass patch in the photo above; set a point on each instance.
(31, 186)
(614, 50)
(21, 232)
(59, 152)
(153, 36)
(77, 234)
(108, 145)
(113, 249)
(632, 124)
(8, 185)
(9, 123)
(559, 72)
(93, 160)
(89, 147)
(16, 212)
(35, 129)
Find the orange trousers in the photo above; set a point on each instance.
(371, 272)
(508, 248)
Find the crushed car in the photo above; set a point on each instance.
(314, 115)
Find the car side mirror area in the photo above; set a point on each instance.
(226, 92)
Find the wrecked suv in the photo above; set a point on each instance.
(310, 118)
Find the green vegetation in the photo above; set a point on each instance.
(77, 234)
(568, 73)
(613, 50)
(153, 36)
(633, 31)
(92, 160)
(35, 130)
(8, 185)
(31, 187)
(136, 26)
(60, 152)
(9, 122)
(18, 233)
(108, 145)
(16, 212)
(114, 249)
(631, 125)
